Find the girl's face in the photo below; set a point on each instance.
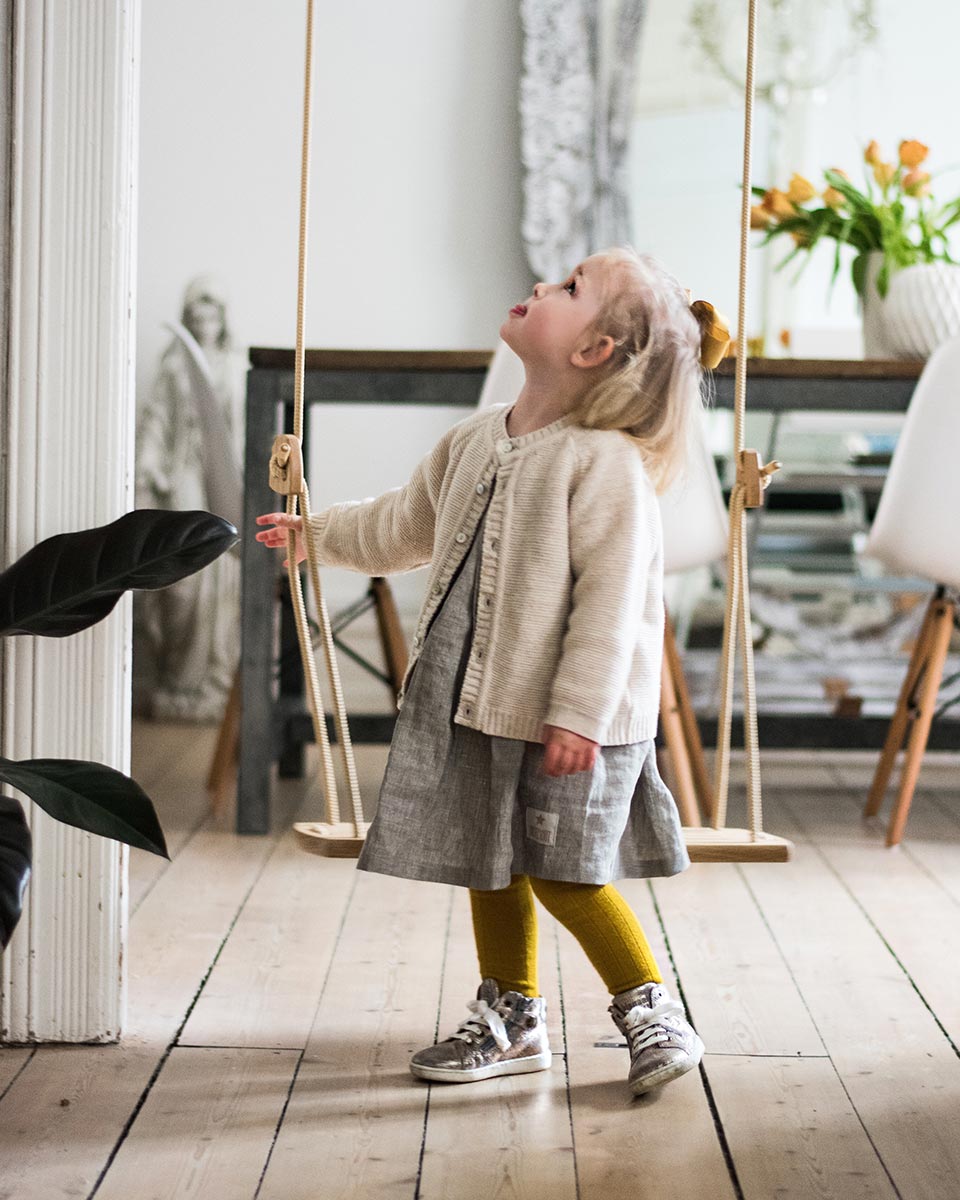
(550, 326)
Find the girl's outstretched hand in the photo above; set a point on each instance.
(278, 537)
(565, 752)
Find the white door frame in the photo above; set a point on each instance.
(71, 147)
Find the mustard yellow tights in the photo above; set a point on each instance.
(505, 927)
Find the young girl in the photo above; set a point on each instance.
(523, 759)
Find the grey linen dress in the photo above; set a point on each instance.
(460, 806)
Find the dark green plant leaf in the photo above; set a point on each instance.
(15, 857)
(72, 580)
(90, 796)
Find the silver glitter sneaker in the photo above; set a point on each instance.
(506, 1035)
(662, 1043)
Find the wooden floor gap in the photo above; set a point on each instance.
(205, 817)
(279, 1125)
(890, 950)
(436, 1035)
(749, 1054)
(323, 988)
(174, 1042)
(26, 1062)
(783, 958)
(566, 1062)
(705, 1082)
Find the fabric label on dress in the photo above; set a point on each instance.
(542, 826)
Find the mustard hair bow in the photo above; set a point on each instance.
(714, 333)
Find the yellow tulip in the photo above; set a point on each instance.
(760, 218)
(872, 154)
(833, 198)
(778, 203)
(883, 173)
(840, 171)
(917, 183)
(912, 154)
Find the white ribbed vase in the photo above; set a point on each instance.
(920, 310)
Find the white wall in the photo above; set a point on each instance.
(415, 207)
(415, 202)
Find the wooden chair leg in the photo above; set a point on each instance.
(226, 753)
(684, 789)
(391, 632)
(939, 642)
(901, 715)
(688, 721)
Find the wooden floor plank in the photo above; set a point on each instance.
(220, 1109)
(900, 1071)
(62, 1117)
(792, 1131)
(264, 988)
(169, 762)
(354, 1124)
(736, 984)
(916, 916)
(497, 1137)
(662, 1146)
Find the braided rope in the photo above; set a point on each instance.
(737, 616)
(317, 712)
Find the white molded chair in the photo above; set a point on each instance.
(915, 532)
(695, 527)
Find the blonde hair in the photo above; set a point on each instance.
(650, 387)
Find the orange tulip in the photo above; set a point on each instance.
(801, 190)
(760, 218)
(883, 173)
(917, 183)
(840, 171)
(778, 203)
(912, 154)
(872, 154)
(833, 198)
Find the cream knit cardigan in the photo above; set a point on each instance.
(569, 622)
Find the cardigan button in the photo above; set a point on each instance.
(505, 446)
(480, 489)
(461, 538)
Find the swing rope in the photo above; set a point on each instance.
(751, 479)
(286, 474)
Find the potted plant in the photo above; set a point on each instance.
(903, 271)
(63, 585)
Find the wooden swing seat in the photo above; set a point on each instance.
(342, 840)
(705, 844)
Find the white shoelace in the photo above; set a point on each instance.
(484, 1015)
(645, 1027)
